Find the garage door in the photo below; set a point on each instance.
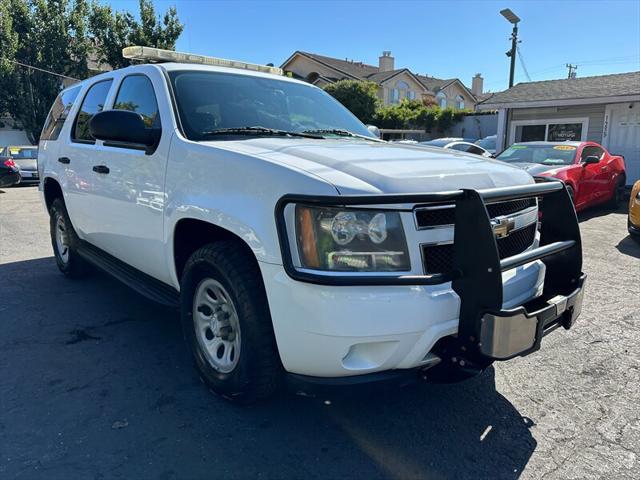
(624, 136)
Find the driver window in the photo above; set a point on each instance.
(592, 151)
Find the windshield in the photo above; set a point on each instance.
(542, 154)
(210, 101)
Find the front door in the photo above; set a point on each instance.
(128, 187)
(623, 136)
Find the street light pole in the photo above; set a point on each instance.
(512, 53)
(513, 19)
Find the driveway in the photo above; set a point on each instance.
(95, 382)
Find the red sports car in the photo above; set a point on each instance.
(592, 174)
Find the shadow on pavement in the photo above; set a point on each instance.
(96, 382)
(629, 246)
(601, 211)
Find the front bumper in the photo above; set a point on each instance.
(409, 321)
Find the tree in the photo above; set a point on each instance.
(61, 36)
(361, 98)
(112, 31)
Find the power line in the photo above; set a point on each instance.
(39, 69)
(524, 67)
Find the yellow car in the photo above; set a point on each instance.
(634, 211)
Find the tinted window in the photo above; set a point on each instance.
(136, 95)
(475, 150)
(459, 146)
(592, 151)
(210, 100)
(93, 103)
(58, 114)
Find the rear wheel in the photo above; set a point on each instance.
(65, 241)
(227, 325)
(618, 193)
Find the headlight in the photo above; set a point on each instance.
(351, 240)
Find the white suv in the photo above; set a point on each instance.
(294, 242)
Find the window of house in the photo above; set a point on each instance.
(459, 102)
(58, 113)
(551, 131)
(93, 103)
(136, 95)
(395, 95)
(411, 95)
(441, 98)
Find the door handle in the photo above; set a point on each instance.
(604, 169)
(65, 160)
(101, 169)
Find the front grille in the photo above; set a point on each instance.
(432, 216)
(439, 258)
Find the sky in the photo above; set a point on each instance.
(444, 39)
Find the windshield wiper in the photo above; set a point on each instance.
(341, 133)
(257, 131)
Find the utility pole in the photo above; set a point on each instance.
(513, 19)
(572, 70)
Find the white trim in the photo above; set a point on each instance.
(606, 126)
(515, 123)
(560, 103)
(502, 128)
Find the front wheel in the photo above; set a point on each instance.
(227, 325)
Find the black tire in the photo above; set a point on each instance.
(69, 262)
(618, 194)
(258, 372)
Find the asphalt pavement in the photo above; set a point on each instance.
(95, 382)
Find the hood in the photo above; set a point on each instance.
(360, 166)
(538, 169)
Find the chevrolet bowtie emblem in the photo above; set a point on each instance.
(502, 227)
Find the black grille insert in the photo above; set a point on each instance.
(439, 258)
(432, 216)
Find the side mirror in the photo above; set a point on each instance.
(590, 160)
(374, 130)
(123, 126)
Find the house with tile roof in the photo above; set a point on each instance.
(394, 84)
(603, 109)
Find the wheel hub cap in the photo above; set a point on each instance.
(62, 239)
(216, 325)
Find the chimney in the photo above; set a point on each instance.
(476, 84)
(386, 62)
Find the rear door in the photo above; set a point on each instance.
(79, 151)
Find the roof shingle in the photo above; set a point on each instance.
(569, 89)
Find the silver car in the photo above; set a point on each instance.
(26, 159)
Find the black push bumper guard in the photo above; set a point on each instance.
(486, 332)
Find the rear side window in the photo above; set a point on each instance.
(136, 95)
(58, 114)
(93, 103)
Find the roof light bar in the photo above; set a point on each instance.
(150, 55)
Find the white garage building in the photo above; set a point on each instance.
(603, 109)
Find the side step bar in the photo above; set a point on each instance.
(142, 283)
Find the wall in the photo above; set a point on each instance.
(10, 136)
(595, 114)
(452, 91)
(474, 126)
